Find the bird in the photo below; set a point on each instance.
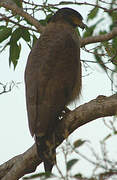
(53, 79)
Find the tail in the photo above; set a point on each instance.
(46, 151)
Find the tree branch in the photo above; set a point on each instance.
(27, 162)
(80, 3)
(99, 38)
(100, 107)
(8, 19)
(9, 4)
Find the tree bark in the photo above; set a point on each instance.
(27, 162)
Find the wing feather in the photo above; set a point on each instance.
(50, 77)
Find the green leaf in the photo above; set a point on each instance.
(3, 48)
(114, 16)
(114, 51)
(99, 60)
(4, 33)
(14, 53)
(91, 29)
(18, 17)
(14, 47)
(78, 32)
(115, 132)
(89, 32)
(107, 137)
(46, 174)
(93, 13)
(20, 33)
(79, 175)
(114, 43)
(108, 48)
(16, 35)
(79, 143)
(71, 163)
(25, 35)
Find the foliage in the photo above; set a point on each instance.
(103, 167)
(14, 28)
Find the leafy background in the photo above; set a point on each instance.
(17, 36)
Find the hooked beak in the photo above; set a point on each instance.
(83, 26)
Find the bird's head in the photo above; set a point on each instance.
(70, 16)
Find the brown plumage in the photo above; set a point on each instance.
(53, 79)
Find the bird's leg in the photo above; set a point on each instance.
(64, 112)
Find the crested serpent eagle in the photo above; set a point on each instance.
(53, 79)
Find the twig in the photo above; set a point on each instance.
(8, 19)
(7, 87)
(9, 4)
(92, 39)
(84, 3)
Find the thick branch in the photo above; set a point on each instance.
(99, 38)
(28, 161)
(9, 4)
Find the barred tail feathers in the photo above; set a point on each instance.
(46, 151)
